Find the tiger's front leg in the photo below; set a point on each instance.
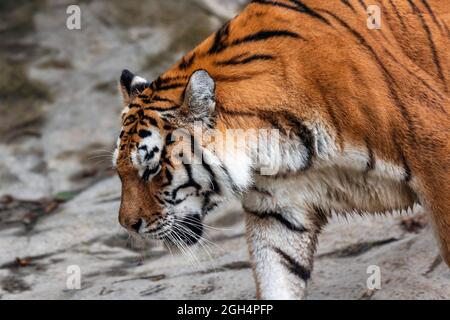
(282, 250)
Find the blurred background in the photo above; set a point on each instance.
(59, 198)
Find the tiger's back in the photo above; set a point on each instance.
(392, 81)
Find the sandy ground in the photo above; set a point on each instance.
(59, 199)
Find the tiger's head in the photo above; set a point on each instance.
(169, 180)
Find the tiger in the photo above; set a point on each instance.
(362, 116)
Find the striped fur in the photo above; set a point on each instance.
(363, 117)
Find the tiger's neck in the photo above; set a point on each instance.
(246, 147)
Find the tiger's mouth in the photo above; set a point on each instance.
(184, 231)
(178, 232)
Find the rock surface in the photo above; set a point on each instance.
(62, 117)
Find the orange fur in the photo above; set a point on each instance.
(385, 90)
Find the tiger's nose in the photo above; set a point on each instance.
(136, 226)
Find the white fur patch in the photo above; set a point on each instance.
(148, 152)
(115, 155)
(239, 166)
(388, 170)
(125, 110)
(138, 80)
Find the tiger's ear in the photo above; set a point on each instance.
(130, 84)
(200, 97)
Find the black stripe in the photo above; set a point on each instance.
(165, 159)
(175, 202)
(220, 39)
(196, 152)
(144, 133)
(371, 160)
(430, 11)
(161, 109)
(171, 86)
(430, 40)
(169, 139)
(161, 99)
(237, 61)
(161, 81)
(389, 79)
(298, 7)
(413, 74)
(279, 217)
(293, 266)
(132, 130)
(214, 185)
(193, 149)
(144, 117)
(397, 13)
(160, 201)
(141, 147)
(264, 35)
(170, 79)
(304, 134)
(386, 13)
(273, 119)
(234, 187)
(186, 64)
(348, 4)
(361, 2)
(190, 183)
(149, 172)
(207, 205)
(408, 175)
(305, 9)
(220, 43)
(320, 216)
(150, 155)
(169, 178)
